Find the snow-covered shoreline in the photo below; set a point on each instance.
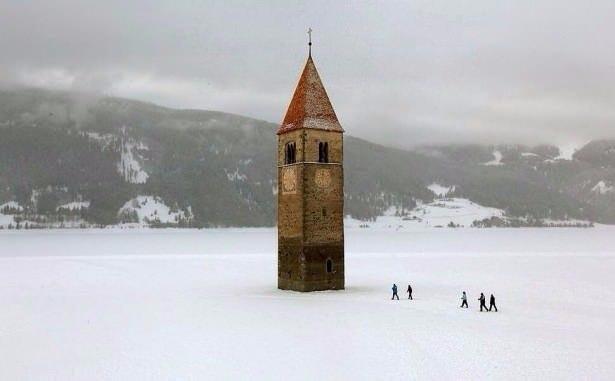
(263, 241)
(145, 211)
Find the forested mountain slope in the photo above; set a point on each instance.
(97, 160)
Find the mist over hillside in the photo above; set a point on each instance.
(75, 160)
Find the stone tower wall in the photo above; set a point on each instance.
(290, 214)
(292, 136)
(312, 137)
(311, 218)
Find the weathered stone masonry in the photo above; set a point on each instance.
(310, 191)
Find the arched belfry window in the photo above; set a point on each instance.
(290, 153)
(323, 152)
(326, 152)
(287, 153)
(329, 265)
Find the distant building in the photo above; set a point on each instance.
(310, 190)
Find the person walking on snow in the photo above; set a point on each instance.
(464, 300)
(394, 292)
(492, 303)
(482, 302)
(409, 292)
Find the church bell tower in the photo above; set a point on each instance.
(310, 190)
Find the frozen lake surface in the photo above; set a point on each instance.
(203, 304)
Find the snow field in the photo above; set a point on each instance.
(129, 166)
(193, 305)
(74, 205)
(440, 190)
(497, 159)
(11, 205)
(602, 188)
(438, 213)
(151, 208)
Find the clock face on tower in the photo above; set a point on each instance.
(289, 180)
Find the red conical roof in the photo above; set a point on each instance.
(310, 106)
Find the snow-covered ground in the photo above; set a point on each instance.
(194, 305)
(11, 205)
(150, 208)
(440, 190)
(497, 159)
(103, 139)
(439, 213)
(6, 220)
(10, 217)
(235, 175)
(567, 152)
(602, 188)
(74, 205)
(144, 210)
(129, 166)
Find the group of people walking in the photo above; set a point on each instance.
(481, 299)
(464, 299)
(409, 291)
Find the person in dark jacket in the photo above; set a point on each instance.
(464, 300)
(482, 302)
(409, 291)
(394, 292)
(492, 303)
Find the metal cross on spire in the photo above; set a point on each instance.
(309, 32)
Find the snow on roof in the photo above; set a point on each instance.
(310, 106)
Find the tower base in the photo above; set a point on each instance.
(308, 268)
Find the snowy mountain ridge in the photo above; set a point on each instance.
(81, 171)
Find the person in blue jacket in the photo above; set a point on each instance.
(394, 292)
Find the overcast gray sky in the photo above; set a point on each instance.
(402, 73)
